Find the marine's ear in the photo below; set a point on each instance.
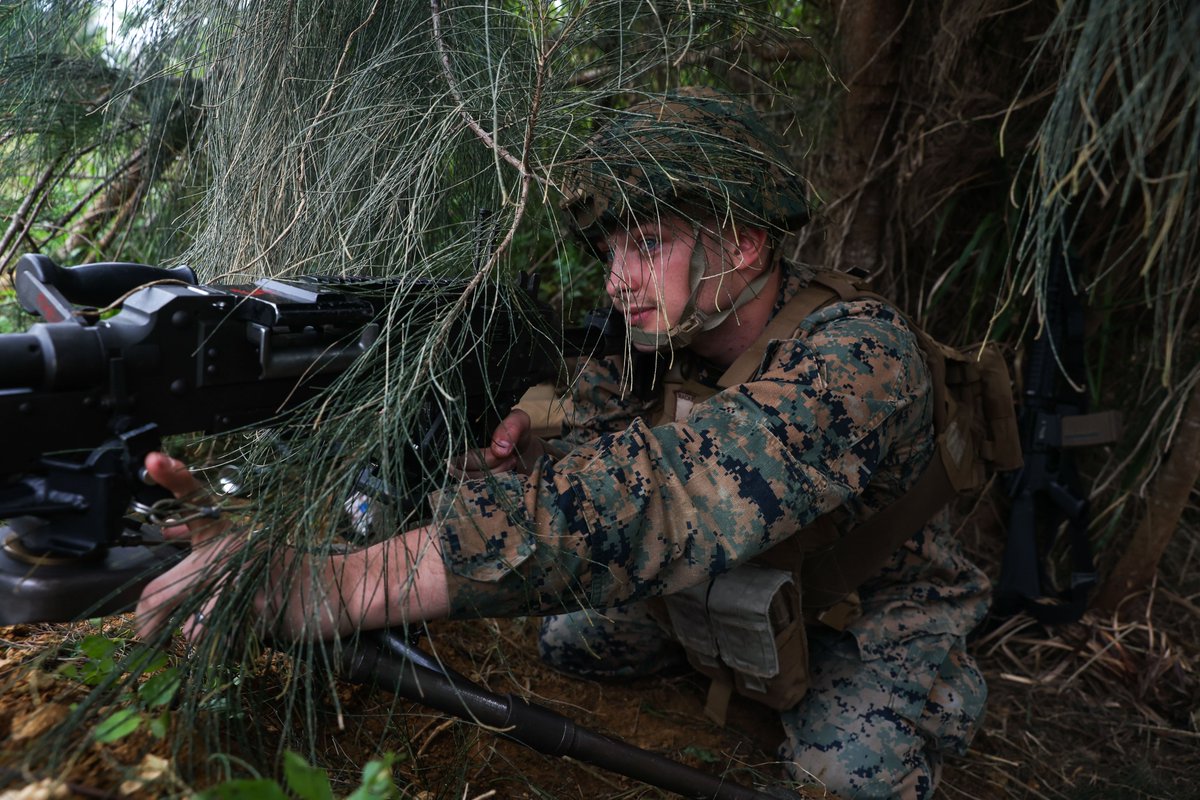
(749, 247)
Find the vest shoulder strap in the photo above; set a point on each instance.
(824, 288)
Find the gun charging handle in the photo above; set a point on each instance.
(48, 290)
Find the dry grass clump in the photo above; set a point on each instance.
(1108, 707)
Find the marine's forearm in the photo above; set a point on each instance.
(399, 581)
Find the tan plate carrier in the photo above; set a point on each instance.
(746, 629)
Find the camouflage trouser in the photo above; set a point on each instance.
(867, 728)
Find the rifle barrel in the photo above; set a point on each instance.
(535, 726)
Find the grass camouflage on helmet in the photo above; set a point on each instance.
(695, 152)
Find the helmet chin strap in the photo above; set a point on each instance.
(694, 320)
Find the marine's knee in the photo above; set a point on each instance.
(863, 764)
(868, 730)
(954, 709)
(619, 643)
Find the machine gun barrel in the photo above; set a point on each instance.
(88, 395)
(386, 660)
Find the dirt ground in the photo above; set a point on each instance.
(1103, 708)
(1097, 710)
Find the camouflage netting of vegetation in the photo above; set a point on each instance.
(950, 146)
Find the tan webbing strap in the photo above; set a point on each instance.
(822, 289)
(716, 703)
(831, 574)
(782, 326)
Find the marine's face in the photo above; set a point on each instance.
(648, 273)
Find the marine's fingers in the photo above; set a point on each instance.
(511, 433)
(479, 463)
(158, 601)
(162, 597)
(174, 476)
(195, 626)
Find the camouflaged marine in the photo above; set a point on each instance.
(681, 514)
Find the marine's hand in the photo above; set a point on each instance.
(209, 547)
(304, 595)
(513, 448)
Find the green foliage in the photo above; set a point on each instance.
(88, 127)
(12, 318)
(1114, 165)
(302, 781)
(146, 684)
(305, 780)
(702, 754)
(348, 137)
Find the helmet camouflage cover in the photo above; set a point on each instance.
(695, 152)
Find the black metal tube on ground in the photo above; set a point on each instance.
(534, 726)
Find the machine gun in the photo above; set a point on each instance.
(1047, 493)
(85, 397)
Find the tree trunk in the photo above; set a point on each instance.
(1168, 497)
(870, 52)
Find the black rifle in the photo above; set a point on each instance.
(85, 397)
(1047, 493)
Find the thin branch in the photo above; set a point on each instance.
(447, 70)
(35, 196)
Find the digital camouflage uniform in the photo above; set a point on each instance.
(835, 421)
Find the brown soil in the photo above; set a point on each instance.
(663, 715)
(1104, 708)
(1097, 710)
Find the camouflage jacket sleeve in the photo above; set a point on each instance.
(838, 417)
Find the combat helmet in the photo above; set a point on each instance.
(695, 152)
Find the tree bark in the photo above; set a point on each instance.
(1168, 496)
(870, 55)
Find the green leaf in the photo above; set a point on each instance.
(98, 647)
(706, 756)
(159, 725)
(94, 672)
(146, 660)
(160, 689)
(308, 782)
(99, 652)
(377, 783)
(245, 789)
(117, 726)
